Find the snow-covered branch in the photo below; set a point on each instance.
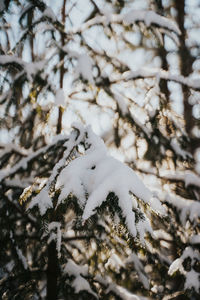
(147, 16)
(30, 69)
(162, 74)
(23, 163)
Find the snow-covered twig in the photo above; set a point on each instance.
(147, 16)
(162, 74)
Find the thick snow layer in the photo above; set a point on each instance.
(81, 284)
(43, 201)
(96, 174)
(72, 268)
(91, 176)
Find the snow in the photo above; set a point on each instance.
(161, 234)
(114, 262)
(177, 148)
(84, 67)
(78, 271)
(191, 277)
(29, 68)
(43, 201)
(195, 239)
(122, 292)
(91, 176)
(145, 72)
(133, 258)
(187, 208)
(51, 227)
(81, 284)
(121, 103)
(9, 147)
(48, 12)
(60, 98)
(176, 265)
(150, 17)
(189, 177)
(188, 252)
(97, 174)
(72, 268)
(192, 281)
(147, 16)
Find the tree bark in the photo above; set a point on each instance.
(53, 268)
(52, 272)
(62, 69)
(186, 61)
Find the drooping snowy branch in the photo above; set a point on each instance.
(91, 176)
(97, 174)
(147, 16)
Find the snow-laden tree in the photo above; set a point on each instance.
(76, 222)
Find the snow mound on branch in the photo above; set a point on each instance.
(191, 277)
(72, 268)
(84, 67)
(43, 201)
(93, 176)
(150, 17)
(79, 283)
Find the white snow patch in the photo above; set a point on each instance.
(191, 277)
(84, 67)
(60, 98)
(43, 201)
(72, 268)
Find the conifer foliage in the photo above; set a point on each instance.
(106, 207)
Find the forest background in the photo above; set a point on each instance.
(110, 210)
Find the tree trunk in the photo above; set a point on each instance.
(52, 269)
(52, 272)
(186, 61)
